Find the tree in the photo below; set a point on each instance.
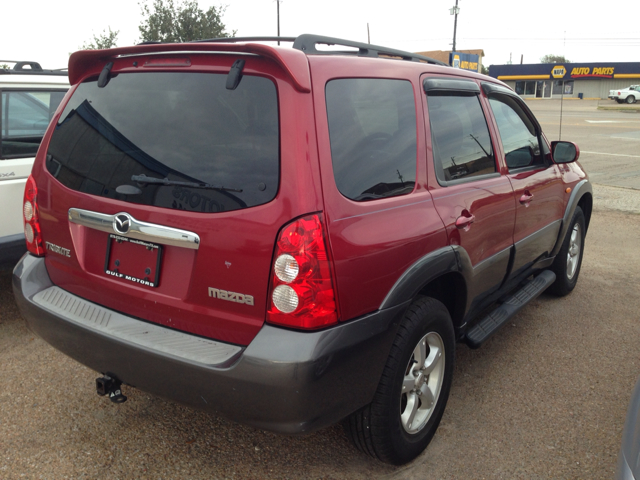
(485, 70)
(104, 40)
(183, 22)
(551, 58)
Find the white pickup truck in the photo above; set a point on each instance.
(630, 94)
(30, 96)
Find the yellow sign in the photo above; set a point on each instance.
(558, 71)
(597, 72)
(469, 65)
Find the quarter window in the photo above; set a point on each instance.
(461, 142)
(372, 129)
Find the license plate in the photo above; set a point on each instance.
(133, 260)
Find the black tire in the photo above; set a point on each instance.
(378, 429)
(567, 264)
(618, 100)
(630, 99)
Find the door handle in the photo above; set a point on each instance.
(526, 198)
(464, 222)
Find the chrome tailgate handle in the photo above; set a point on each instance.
(124, 224)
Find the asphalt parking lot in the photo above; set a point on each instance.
(544, 398)
(609, 140)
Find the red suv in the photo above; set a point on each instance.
(291, 237)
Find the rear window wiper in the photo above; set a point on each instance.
(144, 180)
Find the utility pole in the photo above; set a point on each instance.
(278, 4)
(454, 11)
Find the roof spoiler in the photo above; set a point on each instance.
(293, 62)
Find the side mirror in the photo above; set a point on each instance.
(565, 152)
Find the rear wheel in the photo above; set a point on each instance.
(631, 99)
(406, 410)
(567, 264)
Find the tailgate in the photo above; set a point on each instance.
(161, 194)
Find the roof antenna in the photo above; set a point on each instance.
(564, 44)
(278, 8)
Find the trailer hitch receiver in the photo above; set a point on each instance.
(112, 387)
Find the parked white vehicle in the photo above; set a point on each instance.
(630, 94)
(29, 98)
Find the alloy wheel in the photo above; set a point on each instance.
(573, 255)
(422, 383)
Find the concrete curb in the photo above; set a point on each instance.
(527, 99)
(622, 199)
(621, 109)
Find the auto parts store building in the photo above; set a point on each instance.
(580, 80)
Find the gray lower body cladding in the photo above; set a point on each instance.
(284, 380)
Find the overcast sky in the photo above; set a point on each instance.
(48, 31)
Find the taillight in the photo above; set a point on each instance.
(619, 93)
(31, 217)
(301, 293)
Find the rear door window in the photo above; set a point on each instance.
(200, 146)
(24, 119)
(461, 141)
(372, 129)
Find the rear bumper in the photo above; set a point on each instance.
(284, 381)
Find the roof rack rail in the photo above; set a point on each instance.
(246, 39)
(307, 43)
(34, 68)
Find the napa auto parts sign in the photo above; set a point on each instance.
(559, 71)
(565, 71)
(599, 72)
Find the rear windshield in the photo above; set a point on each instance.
(215, 149)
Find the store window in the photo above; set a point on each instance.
(544, 89)
(562, 86)
(525, 88)
(530, 88)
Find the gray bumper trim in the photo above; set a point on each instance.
(153, 337)
(285, 381)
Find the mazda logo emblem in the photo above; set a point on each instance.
(122, 223)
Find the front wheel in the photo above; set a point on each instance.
(567, 264)
(406, 410)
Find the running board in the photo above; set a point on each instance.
(490, 324)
